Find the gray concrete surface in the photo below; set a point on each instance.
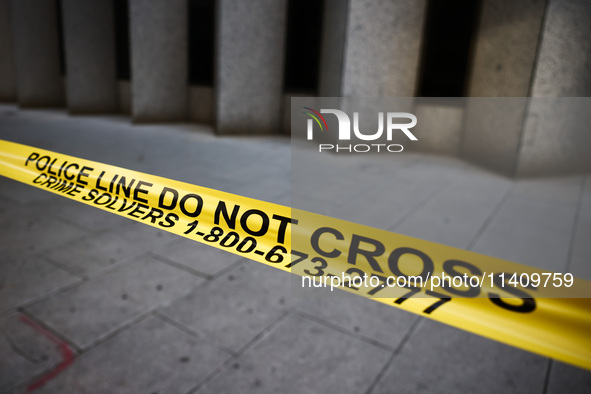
(143, 311)
(555, 137)
(493, 131)
(505, 48)
(89, 47)
(250, 39)
(564, 56)
(440, 127)
(36, 52)
(334, 28)
(377, 55)
(159, 64)
(539, 49)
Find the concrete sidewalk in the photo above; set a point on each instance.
(118, 307)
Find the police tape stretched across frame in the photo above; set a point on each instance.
(547, 320)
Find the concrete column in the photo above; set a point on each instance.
(332, 51)
(506, 44)
(505, 48)
(371, 47)
(249, 65)
(7, 69)
(564, 61)
(531, 48)
(556, 138)
(89, 45)
(36, 42)
(159, 83)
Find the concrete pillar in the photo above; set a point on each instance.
(332, 50)
(556, 138)
(371, 48)
(492, 132)
(89, 46)
(250, 39)
(564, 61)
(531, 48)
(36, 43)
(506, 44)
(7, 69)
(439, 125)
(159, 82)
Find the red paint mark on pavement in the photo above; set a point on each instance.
(67, 355)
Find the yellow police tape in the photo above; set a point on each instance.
(508, 302)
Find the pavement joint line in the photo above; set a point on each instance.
(180, 266)
(490, 217)
(573, 233)
(231, 267)
(20, 387)
(65, 220)
(359, 193)
(90, 234)
(53, 331)
(8, 200)
(65, 244)
(426, 200)
(67, 354)
(78, 282)
(79, 352)
(547, 375)
(172, 242)
(336, 327)
(395, 354)
(20, 352)
(209, 377)
(56, 264)
(64, 267)
(192, 331)
(114, 266)
(116, 331)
